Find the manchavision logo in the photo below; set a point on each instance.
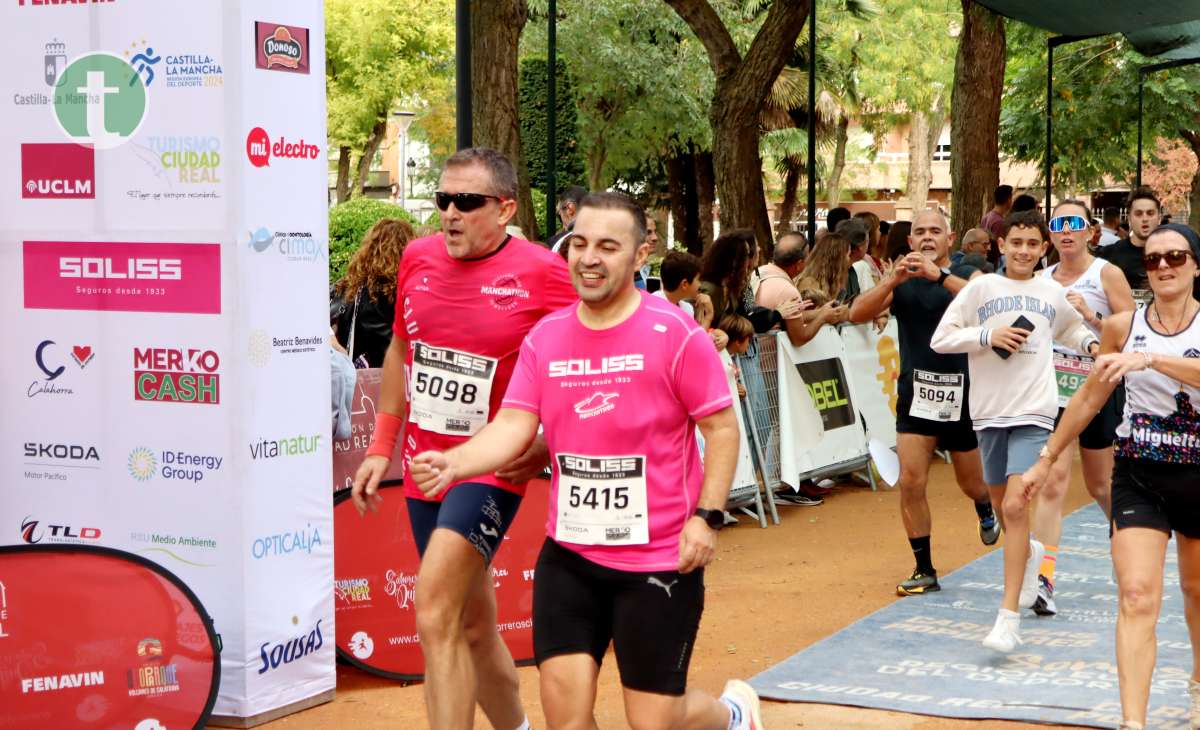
(263, 345)
(298, 445)
(144, 464)
(293, 246)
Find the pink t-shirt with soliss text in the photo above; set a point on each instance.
(619, 408)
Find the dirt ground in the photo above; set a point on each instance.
(770, 593)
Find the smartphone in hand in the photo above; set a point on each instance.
(1022, 323)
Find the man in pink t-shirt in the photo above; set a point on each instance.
(619, 383)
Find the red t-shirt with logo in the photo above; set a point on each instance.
(619, 407)
(464, 321)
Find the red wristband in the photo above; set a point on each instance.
(387, 432)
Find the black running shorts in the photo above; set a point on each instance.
(650, 618)
(951, 435)
(1158, 496)
(481, 513)
(1101, 431)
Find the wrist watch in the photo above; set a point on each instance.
(714, 518)
(945, 275)
(1045, 453)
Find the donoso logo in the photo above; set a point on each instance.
(182, 278)
(260, 149)
(58, 171)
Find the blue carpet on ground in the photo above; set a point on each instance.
(923, 654)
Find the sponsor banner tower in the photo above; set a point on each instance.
(164, 254)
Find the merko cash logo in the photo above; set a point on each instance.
(260, 149)
(176, 376)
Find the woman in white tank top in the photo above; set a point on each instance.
(1156, 480)
(1096, 289)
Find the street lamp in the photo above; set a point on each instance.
(404, 120)
(411, 173)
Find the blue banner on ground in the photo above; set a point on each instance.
(923, 654)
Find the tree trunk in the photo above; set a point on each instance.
(791, 183)
(919, 159)
(681, 187)
(743, 84)
(975, 121)
(706, 192)
(495, 32)
(368, 156)
(596, 158)
(1193, 140)
(833, 193)
(343, 174)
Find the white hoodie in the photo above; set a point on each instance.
(1022, 390)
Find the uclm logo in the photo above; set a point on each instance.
(182, 278)
(176, 375)
(260, 149)
(58, 171)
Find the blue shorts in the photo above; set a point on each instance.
(481, 513)
(1009, 451)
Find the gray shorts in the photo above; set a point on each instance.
(1008, 451)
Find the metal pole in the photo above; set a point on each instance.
(812, 123)
(1049, 120)
(1141, 111)
(551, 118)
(403, 168)
(462, 74)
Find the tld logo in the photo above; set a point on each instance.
(32, 533)
(260, 149)
(176, 375)
(58, 171)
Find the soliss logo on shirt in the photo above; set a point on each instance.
(614, 364)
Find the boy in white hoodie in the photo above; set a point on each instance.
(1005, 324)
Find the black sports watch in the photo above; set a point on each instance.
(714, 518)
(945, 275)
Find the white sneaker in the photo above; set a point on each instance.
(1006, 634)
(741, 695)
(1029, 583)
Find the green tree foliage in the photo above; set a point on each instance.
(349, 222)
(1095, 107)
(531, 104)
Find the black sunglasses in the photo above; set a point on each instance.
(465, 202)
(1174, 259)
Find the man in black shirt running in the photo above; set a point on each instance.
(1144, 211)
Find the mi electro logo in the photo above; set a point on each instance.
(176, 376)
(260, 149)
(606, 366)
(58, 172)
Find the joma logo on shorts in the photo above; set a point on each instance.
(614, 364)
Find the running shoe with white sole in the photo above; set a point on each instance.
(798, 499)
(918, 583)
(1043, 605)
(1006, 633)
(742, 696)
(1029, 584)
(989, 530)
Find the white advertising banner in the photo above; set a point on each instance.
(163, 244)
(818, 418)
(873, 364)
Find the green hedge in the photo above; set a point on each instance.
(531, 96)
(349, 222)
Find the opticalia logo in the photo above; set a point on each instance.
(61, 171)
(294, 446)
(286, 543)
(101, 100)
(48, 361)
(182, 278)
(290, 650)
(176, 376)
(176, 465)
(281, 47)
(32, 532)
(181, 69)
(294, 246)
(260, 149)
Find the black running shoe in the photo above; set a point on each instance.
(989, 530)
(1043, 605)
(918, 583)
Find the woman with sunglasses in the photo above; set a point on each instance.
(1156, 349)
(1097, 290)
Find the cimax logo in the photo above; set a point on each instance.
(32, 535)
(600, 465)
(149, 269)
(614, 364)
(176, 376)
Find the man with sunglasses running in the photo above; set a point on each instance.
(467, 296)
